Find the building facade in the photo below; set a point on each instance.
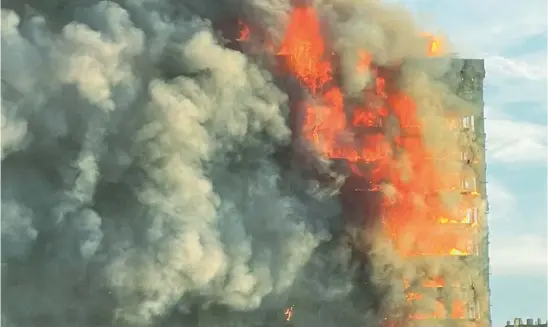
(470, 88)
(463, 298)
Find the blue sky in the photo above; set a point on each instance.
(512, 37)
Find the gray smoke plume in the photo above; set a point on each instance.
(127, 194)
(142, 183)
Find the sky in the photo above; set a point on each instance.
(512, 38)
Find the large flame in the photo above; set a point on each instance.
(415, 218)
(358, 139)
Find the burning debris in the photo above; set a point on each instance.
(166, 163)
(289, 313)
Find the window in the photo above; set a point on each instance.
(465, 246)
(470, 216)
(468, 184)
(421, 311)
(467, 123)
(473, 310)
(467, 156)
(458, 309)
(471, 247)
(464, 303)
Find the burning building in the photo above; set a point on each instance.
(432, 212)
(461, 296)
(239, 163)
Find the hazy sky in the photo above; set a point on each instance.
(512, 37)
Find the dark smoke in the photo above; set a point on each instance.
(145, 174)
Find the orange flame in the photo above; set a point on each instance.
(304, 49)
(438, 313)
(434, 45)
(413, 296)
(338, 130)
(364, 61)
(244, 32)
(304, 54)
(289, 313)
(434, 282)
(458, 309)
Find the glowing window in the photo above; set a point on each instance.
(469, 184)
(470, 216)
(458, 309)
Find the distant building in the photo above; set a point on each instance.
(518, 322)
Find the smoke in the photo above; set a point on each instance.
(144, 171)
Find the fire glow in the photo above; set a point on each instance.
(288, 313)
(354, 133)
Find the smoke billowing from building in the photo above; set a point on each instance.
(157, 171)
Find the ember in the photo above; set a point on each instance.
(289, 313)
